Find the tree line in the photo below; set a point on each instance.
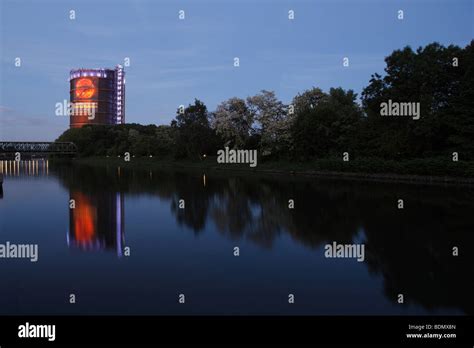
(318, 124)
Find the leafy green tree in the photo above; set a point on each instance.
(273, 122)
(326, 124)
(195, 137)
(430, 77)
(233, 121)
(458, 116)
(308, 100)
(139, 140)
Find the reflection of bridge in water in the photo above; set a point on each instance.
(37, 167)
(9, 148)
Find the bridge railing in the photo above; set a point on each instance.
(38, 146)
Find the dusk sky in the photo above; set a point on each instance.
(173, 61)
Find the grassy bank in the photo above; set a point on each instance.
(417, 170)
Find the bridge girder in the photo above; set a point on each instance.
(38, 147)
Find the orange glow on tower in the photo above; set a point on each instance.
(85, 88)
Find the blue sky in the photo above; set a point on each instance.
(173, 61)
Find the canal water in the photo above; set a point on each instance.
(128, 241)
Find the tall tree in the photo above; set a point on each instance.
(194, 134)
(325, 124)
(273, 121)
(427, 76)
(308, 100)
(233, 121)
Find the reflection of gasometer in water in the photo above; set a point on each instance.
(96, 221)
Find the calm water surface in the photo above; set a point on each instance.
(190, 251)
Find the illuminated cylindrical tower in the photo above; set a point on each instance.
(97, 96)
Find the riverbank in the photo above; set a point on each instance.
(414, 171)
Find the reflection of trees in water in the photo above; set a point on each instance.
(196, 199)
(410, 248)
(258, 210)
(247, 209)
